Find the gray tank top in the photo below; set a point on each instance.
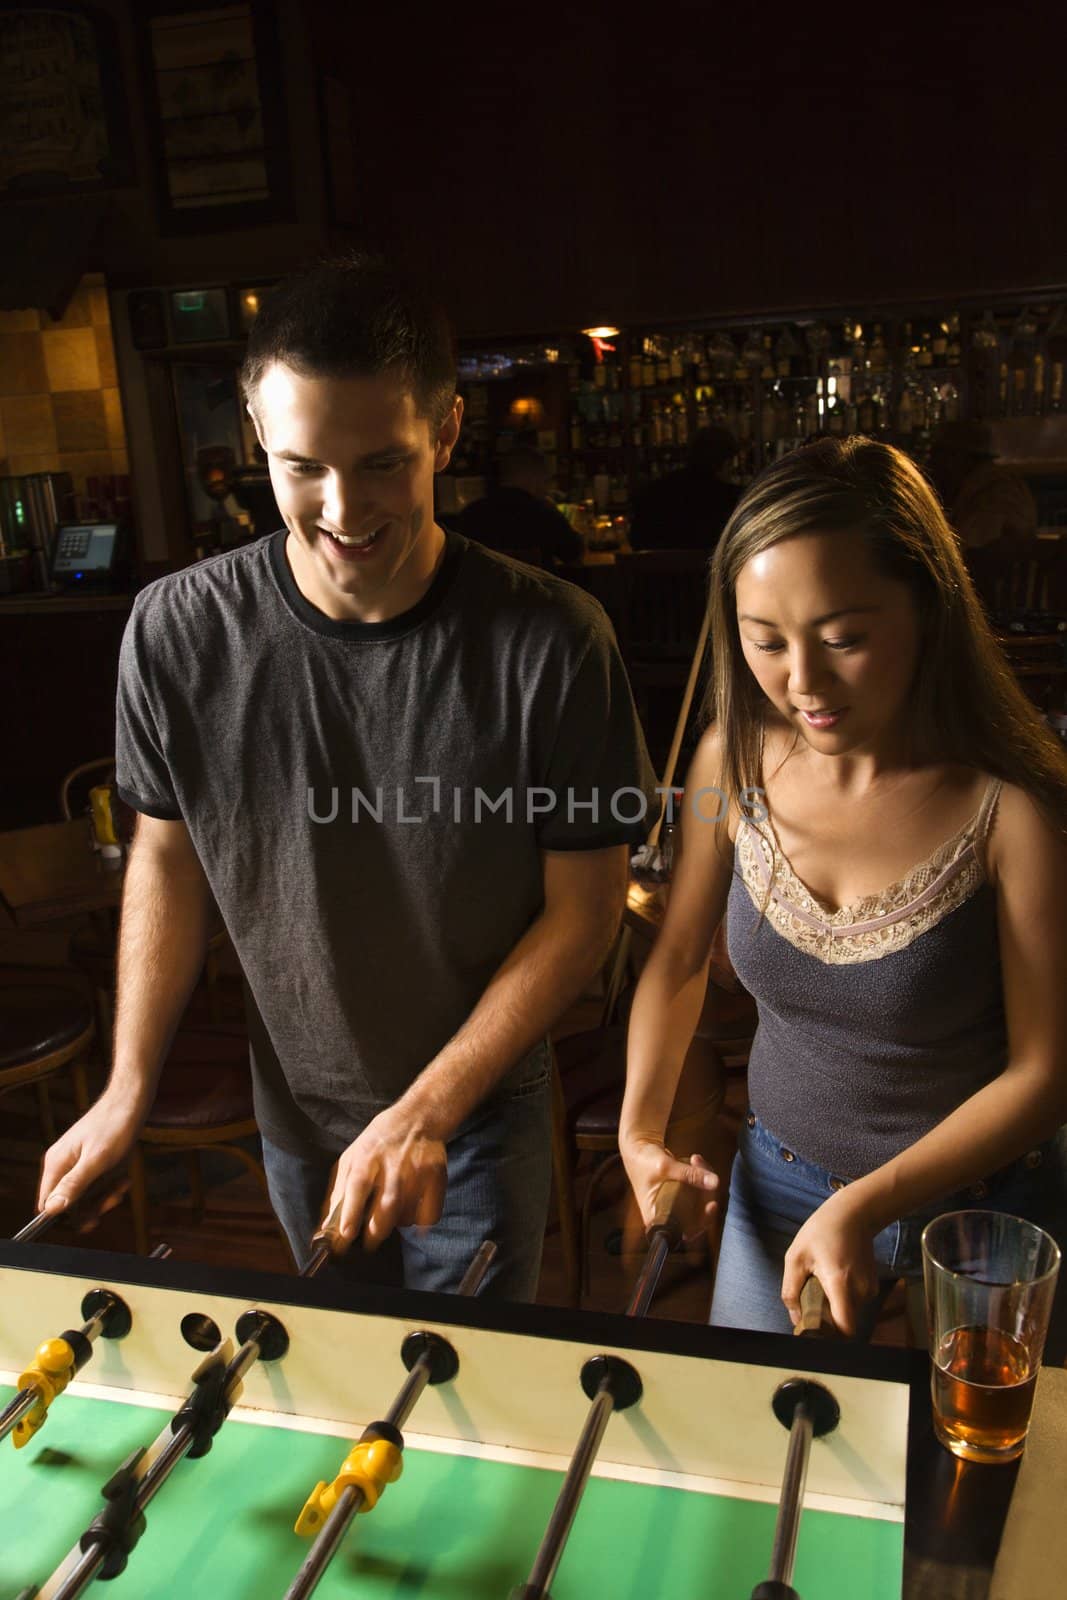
(878, 1019)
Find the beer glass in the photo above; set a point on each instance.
(989, 1281)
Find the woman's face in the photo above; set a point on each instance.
(832, 643)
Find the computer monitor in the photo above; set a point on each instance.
(85, 553)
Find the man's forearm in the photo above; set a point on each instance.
(163, 935)
(544, 974)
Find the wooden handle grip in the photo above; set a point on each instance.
(812, 1308)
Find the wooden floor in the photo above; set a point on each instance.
(237, 1228)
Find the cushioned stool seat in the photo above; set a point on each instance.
(203, 1102)
(46, 1025)
(206, 1081)
(37, 1021)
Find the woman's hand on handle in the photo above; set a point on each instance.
(836, 1246)
(650, 1167)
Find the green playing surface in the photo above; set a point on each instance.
(452, 1528)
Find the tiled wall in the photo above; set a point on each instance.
(60, 409)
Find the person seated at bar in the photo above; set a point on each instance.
(891, 862)
(990, 507)
(688, 509)
(517, 517)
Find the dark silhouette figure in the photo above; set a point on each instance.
(688, 509)
(517, 518)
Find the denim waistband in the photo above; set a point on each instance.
(760, 1138)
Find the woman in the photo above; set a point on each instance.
(899, 913)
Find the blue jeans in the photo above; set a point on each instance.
(499, 1175)
(773, 1191)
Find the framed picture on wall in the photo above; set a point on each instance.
(63, 125)
(215, 105)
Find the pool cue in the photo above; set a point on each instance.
(622, 951)
(432, 1361)
(663, 1235)
(612, 1385)
(809, 1411)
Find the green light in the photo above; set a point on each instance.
(192, 301)
(20, 514)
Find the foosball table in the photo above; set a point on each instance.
(256, 1402)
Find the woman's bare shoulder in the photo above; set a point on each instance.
(1023, 837)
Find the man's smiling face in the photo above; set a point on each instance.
(352, 464)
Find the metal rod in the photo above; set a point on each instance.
(163, 1456)
(350, 1499)
(554, 1542)
(27, 1398)
(34, 1229)
(472, 1279)
(658, 1250)
(783, 1552)
(324, 1549)
(16, 1409)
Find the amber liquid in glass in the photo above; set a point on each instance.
(983, 1390)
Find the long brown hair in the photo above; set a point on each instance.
(967, 705)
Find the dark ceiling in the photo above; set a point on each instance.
(556, 168)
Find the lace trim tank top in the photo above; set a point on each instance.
(876, 1020)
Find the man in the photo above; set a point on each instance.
(990, 507)
(688, 509)
(518, 518)
(398, 763)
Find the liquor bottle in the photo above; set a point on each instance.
(648, 365)
(768, 372)
(744, 420)
(677, 362)
(953, 352)
(681, 424)
(925, 353)
(786, 353)
(703, 414)
(905, 413)
(703, 363)
(663, 362)
(812, 417)
(865, 414)
(722, 355)
(600, 373)
(858, 350)
(939, 344)
(878, 353)
(909, 350)
(950, 402)
(636, 365)
(577, 433)
(752, 351)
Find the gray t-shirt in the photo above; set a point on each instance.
(369, 800)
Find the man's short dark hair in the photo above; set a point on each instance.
(355, 316)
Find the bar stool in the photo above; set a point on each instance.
(46, 1027)
(203, 1102)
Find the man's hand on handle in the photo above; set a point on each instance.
(392, 1176)
(96, 1143)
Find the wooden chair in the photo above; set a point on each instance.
(204, 1102)
(78, 782)
(662, 598)
(92, 947)
(46, 1027)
